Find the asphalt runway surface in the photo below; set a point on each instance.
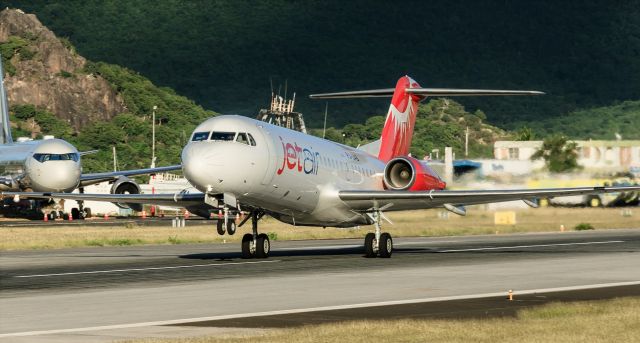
(101, 294)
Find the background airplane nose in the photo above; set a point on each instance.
(56, 176)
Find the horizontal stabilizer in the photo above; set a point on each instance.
(426, 92)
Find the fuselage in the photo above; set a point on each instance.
(49, 165)
(294, 176)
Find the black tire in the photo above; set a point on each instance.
(385, 248)
(231, 227)
(75, 213)
(65, 216)
(368, 245)
(246, 245)
(53, 215)
(263, 246)
(220, 227)
(87, 212)
(61, 214)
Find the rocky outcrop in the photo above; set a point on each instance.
(51, 75)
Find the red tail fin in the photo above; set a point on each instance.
(401, 118)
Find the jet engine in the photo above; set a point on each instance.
(407, 173)
(124, 185)
(8, 184)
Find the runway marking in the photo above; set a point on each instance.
(318, 309)
(143, 269)
(531, 246)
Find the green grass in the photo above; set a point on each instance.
(615, 320)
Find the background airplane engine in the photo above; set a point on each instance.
(124, 185)
(407, 173)
(8, 183)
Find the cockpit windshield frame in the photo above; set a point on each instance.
(41, 157)
(201, 136)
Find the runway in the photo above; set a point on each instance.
(59, 294)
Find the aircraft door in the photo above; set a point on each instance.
(270, 168)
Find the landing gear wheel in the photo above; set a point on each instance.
(247, 240)
(385, 248)
(369, 241)
(263, 246)
(231, 227)
(220, 227)
(87, 212)
(75, 213)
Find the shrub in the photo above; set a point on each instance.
(584, 226)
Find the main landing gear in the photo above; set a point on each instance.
(254, 244)
(378, 243)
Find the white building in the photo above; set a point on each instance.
(610, 156)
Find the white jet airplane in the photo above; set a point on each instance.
(241, 164)
(53, 165)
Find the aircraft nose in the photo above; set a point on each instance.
(202, 165)
(55, 176)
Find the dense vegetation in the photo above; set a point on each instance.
(223, 53)
(129, 132)
(594, 123)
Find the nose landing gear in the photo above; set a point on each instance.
(254, 244)
(227, 224)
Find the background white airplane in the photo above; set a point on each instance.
(241, 164)
(53, 165)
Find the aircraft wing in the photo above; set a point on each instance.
(181, 199)
(90, 179)
(367, 201)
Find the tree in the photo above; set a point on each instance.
(559, 154)
(525, 134)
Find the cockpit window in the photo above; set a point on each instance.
(200, 136)
(252, 141)
(56, 157)
(242, 138)
(222, 136)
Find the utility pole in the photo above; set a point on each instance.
(153, 137)
(324, 130)
(466, 142)
(115, 159)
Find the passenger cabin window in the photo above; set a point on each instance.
(252, 141)
(200, 136)
(222, 136)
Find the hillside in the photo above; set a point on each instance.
(222, 54)
(594, 123)
(94, 105)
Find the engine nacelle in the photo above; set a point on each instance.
(8, 184)
(407, 173)
(124, 185)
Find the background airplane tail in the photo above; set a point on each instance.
(401, 118)
(5, 128)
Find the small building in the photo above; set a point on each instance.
(593, 155)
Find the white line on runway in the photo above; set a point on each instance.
(318, 309)
(531, 246)
(144, 269)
